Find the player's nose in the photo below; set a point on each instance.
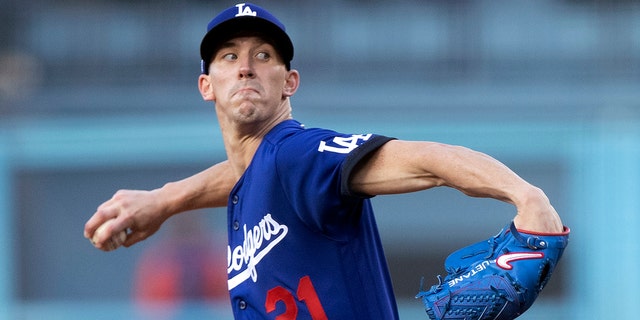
(246, 69)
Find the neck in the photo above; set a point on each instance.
(242, 139)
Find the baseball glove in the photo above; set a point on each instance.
(496, 279)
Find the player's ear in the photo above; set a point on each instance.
(291, 84)
(206, 87)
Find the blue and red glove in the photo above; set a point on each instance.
(496, 279)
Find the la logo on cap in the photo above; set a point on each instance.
(245, 11)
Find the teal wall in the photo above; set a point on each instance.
(598, 189)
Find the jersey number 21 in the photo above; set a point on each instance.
(305, 293)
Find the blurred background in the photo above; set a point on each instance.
(97, 96)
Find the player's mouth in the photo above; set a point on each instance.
(245, 90)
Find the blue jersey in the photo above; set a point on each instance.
(301, 244)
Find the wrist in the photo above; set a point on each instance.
(531, 199)
(535, 212)
(171, 198)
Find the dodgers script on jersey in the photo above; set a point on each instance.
(301, 246)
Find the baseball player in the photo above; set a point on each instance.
(302, 238)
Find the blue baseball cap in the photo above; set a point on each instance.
(241, 18)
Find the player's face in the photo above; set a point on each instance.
(249, 81)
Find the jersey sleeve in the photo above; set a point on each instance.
(354, 158)
(314, 168)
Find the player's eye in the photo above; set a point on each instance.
(263, 55)
(230, 57)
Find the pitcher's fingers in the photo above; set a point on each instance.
(104, 212)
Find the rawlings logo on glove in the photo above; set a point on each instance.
(496, 279)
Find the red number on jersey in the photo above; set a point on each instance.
(306, 293)
(281, 294)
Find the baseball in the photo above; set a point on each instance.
(116, 240)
